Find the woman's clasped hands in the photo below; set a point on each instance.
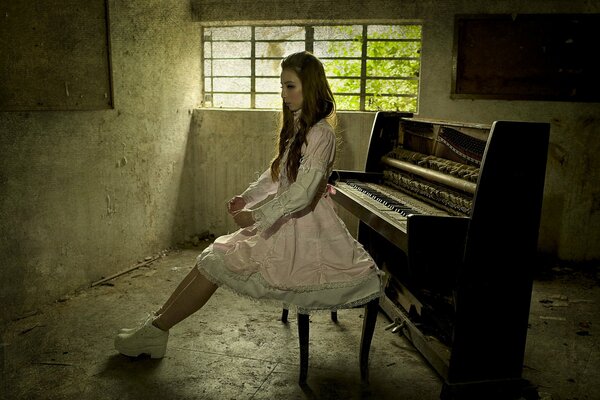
(242, 217)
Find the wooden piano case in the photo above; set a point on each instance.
(459, 287)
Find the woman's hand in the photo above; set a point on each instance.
(243, 218)
(236, 204)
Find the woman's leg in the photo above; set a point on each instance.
(182, 285)
(152, 337)
(189, 296)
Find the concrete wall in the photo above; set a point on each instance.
(86, 194)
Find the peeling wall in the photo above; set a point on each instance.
(84, 194)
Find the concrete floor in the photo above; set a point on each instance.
(237, 349)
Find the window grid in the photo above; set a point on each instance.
(363, 67)
(253, 70)
(309, 41)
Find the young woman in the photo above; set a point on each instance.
(293, 248)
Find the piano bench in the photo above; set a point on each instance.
(368, 328)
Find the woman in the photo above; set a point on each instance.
(293, 249)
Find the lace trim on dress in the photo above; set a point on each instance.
(353, 304)
(262, 221)
(299, 309)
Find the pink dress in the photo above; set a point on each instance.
(299, 252)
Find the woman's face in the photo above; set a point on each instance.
(291, 90)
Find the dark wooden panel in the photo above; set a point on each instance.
(54, 55)
(527, 56)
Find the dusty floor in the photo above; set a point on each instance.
(236, 349)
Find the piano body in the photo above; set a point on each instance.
(451, 211)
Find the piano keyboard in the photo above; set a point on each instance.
(393, 204)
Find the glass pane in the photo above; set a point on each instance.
(342, 67)
(268, 85)
(207, 67)
(394, 49)
(228, 33)
(278, 49)
(231, 67)
(394, 31)
(268, 101)
(345, 85)
(231, 49)
(207, 51)
(373, 103)
(231, 84)
(338, 49)
(268, 68)
(387, 86)
(393, 68)
(347, 102)
(279, 32)
(338, 32)
(207, 85)
(231, 100)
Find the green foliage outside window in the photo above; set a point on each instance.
(390, 84)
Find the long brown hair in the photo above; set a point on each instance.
(318, 103)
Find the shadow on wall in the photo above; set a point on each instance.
(187, 225)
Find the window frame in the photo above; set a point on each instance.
(309, 41)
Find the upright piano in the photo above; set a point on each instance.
(451, 211)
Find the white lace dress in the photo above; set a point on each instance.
(298, 253)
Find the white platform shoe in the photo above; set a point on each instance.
(150, 317)
(147, 339)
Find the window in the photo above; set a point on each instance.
(369, 67)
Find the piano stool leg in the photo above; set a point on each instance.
(370, 318)
(303, 327)
(284, 316)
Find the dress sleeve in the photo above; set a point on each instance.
(260, 189)
(314, 164)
